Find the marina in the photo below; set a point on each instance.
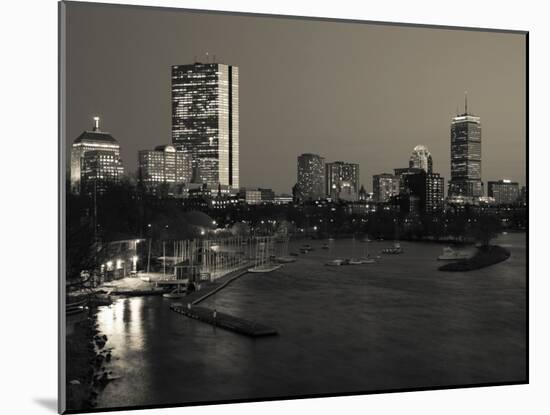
(383, 315)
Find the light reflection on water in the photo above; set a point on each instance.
(395, 324)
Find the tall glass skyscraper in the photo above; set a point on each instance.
(205, 120)
(466, 156)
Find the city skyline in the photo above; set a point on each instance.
(278, 118)
(199, 271)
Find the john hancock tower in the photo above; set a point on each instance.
(205, 120)
(466, 155)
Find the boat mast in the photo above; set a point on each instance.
(164, 259)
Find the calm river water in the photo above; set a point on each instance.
(399, 323)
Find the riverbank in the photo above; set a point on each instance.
(484, 257)
(79, 372)
(87, 355)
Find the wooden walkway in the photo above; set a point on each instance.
(224, 321)
(230, 278)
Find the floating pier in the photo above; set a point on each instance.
(233, 255)
(217, 287)
(224, 321)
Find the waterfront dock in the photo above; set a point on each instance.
(224, 321)
(209, 288)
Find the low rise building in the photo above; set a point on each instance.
(164, 171)
(505, 192)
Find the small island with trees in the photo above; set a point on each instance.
(486, 229)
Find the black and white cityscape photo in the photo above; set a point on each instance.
(261, 207)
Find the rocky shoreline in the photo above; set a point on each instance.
(87, 357)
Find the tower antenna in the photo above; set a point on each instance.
(466, 102)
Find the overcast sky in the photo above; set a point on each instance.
(355, 92)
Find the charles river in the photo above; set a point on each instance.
(398, 323)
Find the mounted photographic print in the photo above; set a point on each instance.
(259, 207)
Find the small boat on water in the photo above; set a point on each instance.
(449, 254)
(394, 250)
(175, 293)
(285, 259)
(366, 258)
(325, 246)
(76, 306)
(263, 262)
(72, 311)
(265, 268)
(335, 263)
(354, 261)
(294, 254)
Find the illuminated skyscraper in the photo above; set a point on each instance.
(421, 159)
(342, 180)
(163, 170)
(466, 155)
(205, 120)
(435, 191)
(95, 161)
(311, 177)
(384, 186)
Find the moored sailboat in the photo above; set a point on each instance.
(262, 263)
